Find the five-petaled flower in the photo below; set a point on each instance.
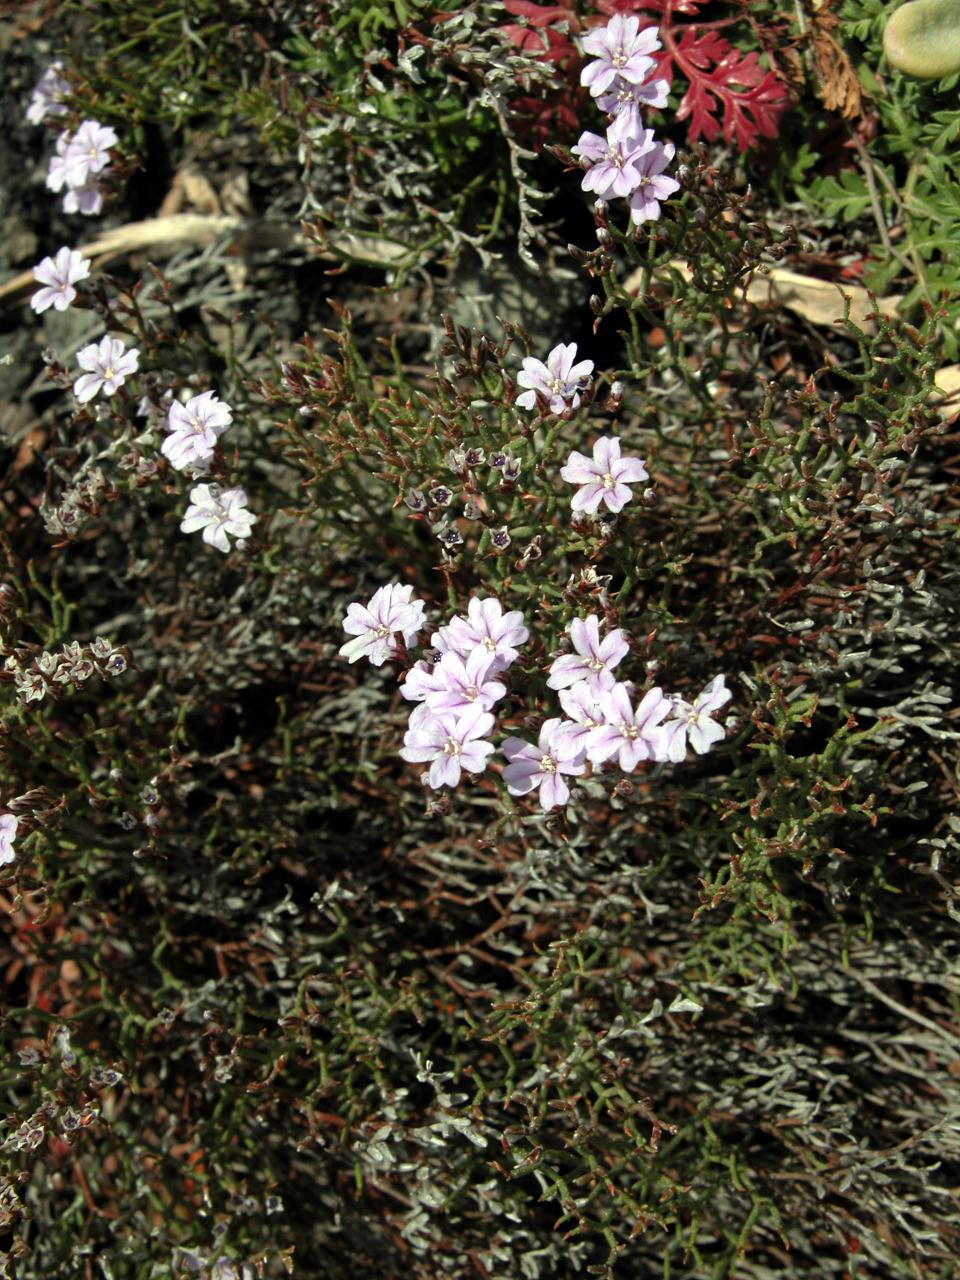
(652, 184)
(559, 380)
(87, 199)
(619, 49)
(88, 152)
(603, 479)
(625, 97)
(630, 734)
(543, 766)
(452, 743)
(194, 430)
(48, 94)
(391, 610)
(486, 626)
(595, 658)
(693, 722)
(460, 682)
(108, 365)
(78, 158)
(585, 715)
(218, 512)
(58, 276)
(8, 833)
(614, 160)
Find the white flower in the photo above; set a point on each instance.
(558, 381)
(694, 723)
(108, 365)
(57, 165)
(59, 275)
(88, 152)
(605, 478)
(218, 513)
(390, 611)
(451, 743)
(8, 833)
(194, 430)
(48, 94)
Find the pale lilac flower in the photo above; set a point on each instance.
(594, 659)
(48, 94)
(613, 160)
(559, 380)
(542, 766)
(604, 478)
(630, 735)
(218, 513)
(421, 717)
(108, 365)
(586, 716)
(57, 166)
(62, 171)
(625, 98)
(420, 680)
(653, 185)
(59, 275)
(88, 151)
(620, 49)
(463, 682)
(8, 833)
(391, 610)
(488, 626)
(693, 723)
(194, 429)
(87, 199)
(451, 743)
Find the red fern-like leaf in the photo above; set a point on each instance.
(541, 21)
(727, 83)
(728, 92)
(544, 120)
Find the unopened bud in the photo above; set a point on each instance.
(616, 395)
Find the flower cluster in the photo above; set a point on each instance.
(457, 688)
(193, 428)
(627, 162)
(76, 164)
(603, 723)
(50, 673)
(452, 720)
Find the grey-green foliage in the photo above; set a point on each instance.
(410, 147)
(904, 189)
